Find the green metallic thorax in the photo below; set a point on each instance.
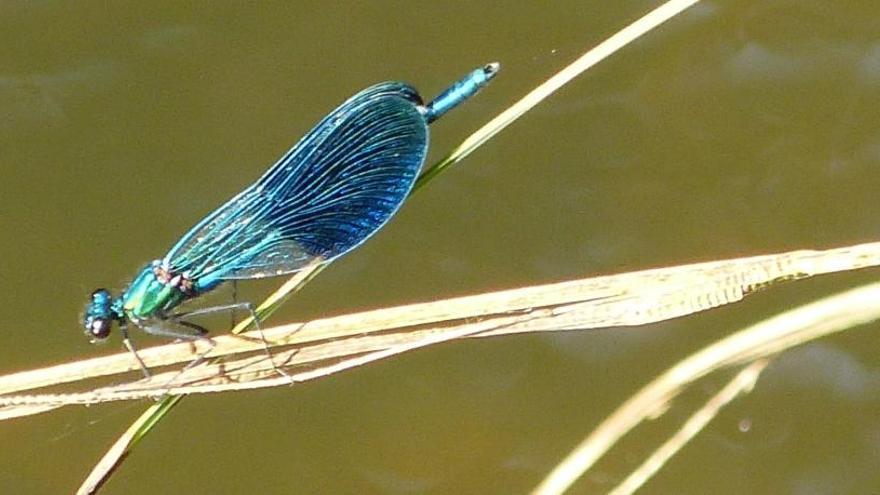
(153, 295)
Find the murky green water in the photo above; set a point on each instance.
(740, 128)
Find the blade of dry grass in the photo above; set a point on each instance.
(742, 383)
(600, 52)
(762, 340)
(627, 299)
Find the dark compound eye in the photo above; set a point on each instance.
(98, 328)
(99, 315)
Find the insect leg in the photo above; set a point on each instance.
(244, 306)
(213, 309)
(128, 345)
(256, 320)
(181, 330)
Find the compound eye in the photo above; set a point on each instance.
(98, 328)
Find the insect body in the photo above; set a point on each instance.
(329, 193)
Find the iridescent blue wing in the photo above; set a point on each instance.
(324, 197)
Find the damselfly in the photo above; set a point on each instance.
(334, 189)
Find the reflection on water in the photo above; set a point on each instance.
(37, 101)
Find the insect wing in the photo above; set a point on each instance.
(324, 197)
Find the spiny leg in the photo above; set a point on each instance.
(185, 331)
(128, 345)
(245, 306)
(256, 322)
(212, 309)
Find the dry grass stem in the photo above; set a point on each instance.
(762, 340)
(312, 348)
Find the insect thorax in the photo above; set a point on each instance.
(155, 292)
